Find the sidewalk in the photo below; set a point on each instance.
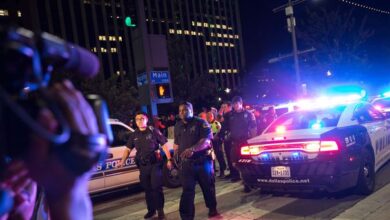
(375, 206)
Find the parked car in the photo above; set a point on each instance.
(108, 176)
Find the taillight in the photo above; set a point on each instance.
(329, 146)
(307, 146)
(245, 150)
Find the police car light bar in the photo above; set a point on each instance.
(307, 146)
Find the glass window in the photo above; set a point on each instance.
(307, 119)
(121, 135)
(367, 114)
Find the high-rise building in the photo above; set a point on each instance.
(210, 28)
(212, 31)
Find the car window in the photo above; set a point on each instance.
(382, 102)
(367, 114)
(121, 135)
(305, 119)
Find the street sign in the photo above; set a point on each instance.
(158, 77)
(142, 79)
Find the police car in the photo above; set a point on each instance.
(108, 176)
(382, 104)
(331, 147)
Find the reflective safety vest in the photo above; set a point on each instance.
(215, 127)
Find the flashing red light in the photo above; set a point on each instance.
(307, 146)
(378, 107)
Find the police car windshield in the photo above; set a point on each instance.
(307, 119)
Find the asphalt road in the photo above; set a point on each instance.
(234, 204)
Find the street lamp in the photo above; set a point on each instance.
(227, 90)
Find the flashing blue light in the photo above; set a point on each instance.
(386, 94)
(346, 90)
(295, 154)
(316, 126)
(264, 156)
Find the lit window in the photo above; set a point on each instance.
(231, 45)
(199, 24)
(220, 44)
(229, 70)
(219, 35)
(208, 43)
(218, 26)
(211, 26)
(187, 32)
(217, 70)
(211, 71)
(236, 36)
(205, 25)
(179, 31)
(235, 71)
(118, 73)
(226, 44)
(120, 38)
(19, 14)
(113, 50)
(225, 35)
(3, 12)
(171, 31)
(224, 26)
(214, 43)
(212, 34)
(193, 23)
(223, 71)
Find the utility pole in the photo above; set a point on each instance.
(289, 10)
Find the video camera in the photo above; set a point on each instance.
(27, 61)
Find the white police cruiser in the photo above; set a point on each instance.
(382, 104)
(328, 148)
(108, 176)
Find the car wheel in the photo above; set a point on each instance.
(171, 177)
(366, 179)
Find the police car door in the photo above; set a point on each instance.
(114, 176)
(375, 123)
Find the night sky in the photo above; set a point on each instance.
(265, 34)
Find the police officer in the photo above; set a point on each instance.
(192, 145)
(241, 124)
(146, 140)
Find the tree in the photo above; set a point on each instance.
(187, 85)
(118, 93)
(340, 38)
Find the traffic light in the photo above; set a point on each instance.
(163, 91)
(129, 22)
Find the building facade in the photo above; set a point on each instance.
(212, 31)
(210, 28)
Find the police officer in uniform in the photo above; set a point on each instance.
(192, 145)
(146, 140)
(241, 124)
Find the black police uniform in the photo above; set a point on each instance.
(197, 168)
(238, 124)
(147, 142)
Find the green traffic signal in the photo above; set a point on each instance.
(128, 22)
